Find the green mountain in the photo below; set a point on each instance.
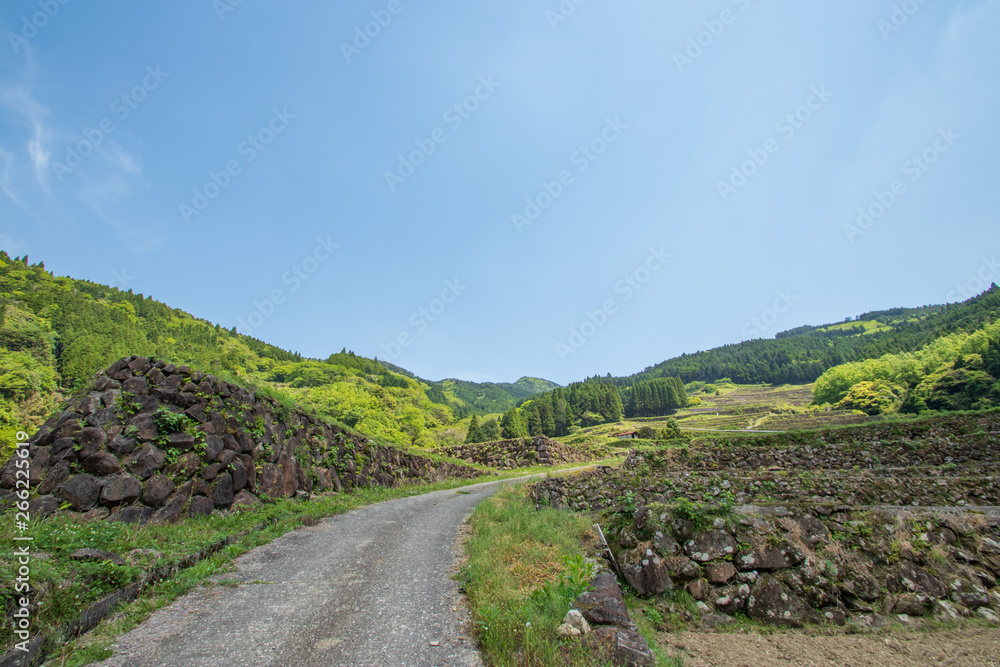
(803, 354)
(55, 332)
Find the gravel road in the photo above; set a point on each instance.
(370, 587)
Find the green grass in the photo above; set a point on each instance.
(524, 568)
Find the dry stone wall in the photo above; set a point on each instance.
(868, 526)
(151, 441)
(518, 453)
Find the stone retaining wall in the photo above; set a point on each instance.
(154, 441)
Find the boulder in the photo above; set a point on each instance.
(710, 545)
(768, 559)
(201, 506)
(80, 491)
(719, 573)
(621, 646)
(699, 589)
(213, 447)
(120, 490)
(603, 603)
(905, 577)
(121, 445)
(648, 576)
(157, 490)
(146, 461)
(102, 464)
(222, 494)
(144, 428)
(56, 476)
(246, 500)
(968, 594)
(43, 506)
(771, 602)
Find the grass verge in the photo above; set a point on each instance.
(524, 568)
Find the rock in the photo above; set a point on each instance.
(710, 545)
(911, 604)
(771, 602)
(56, 476)
(648, 577)
(683, 569)
(768, 559)
(80, 491)
(121, 445)
(102, 464)
(213, 447)
(905, 577)
(120, 490)
(39, 508)
(946, 612)
(567, 630)
(62, 450)
(132, 514)
(222, 495)
(226, 457)
(666, 544)
(146, 461)
(201, 506)
(144, 428)
(812, 531)
(968, 594)
(97, 555)
(719, 573)
(136, 386)
(711, 621)
(988, 615)
(156, 490)
(246, 500)
(91, 438)
(621, 646)
(603, 603)
(699, 589)
(181, 441)
(576, 620)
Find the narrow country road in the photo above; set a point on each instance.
(371, 587)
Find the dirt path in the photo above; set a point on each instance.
(958, 647)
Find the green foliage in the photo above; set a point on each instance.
(513, 425)
(952, 372)
(473, 435)
(671, 431)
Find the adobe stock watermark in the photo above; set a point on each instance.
(248, 149)
(223, 7)
(30, 25)
(562, 13)
(581, 158)
(21, 624)
(294, 277)
(455, 116)
(900, 15)
(122, 107)
(363, 35)
(121, 279)
(627, 287)
(914, 168)
(714, 28)
(758, 327)
(977, 284)
(786, 126)
(422, 318)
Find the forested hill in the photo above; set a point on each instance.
(55, 332)
(801, 355)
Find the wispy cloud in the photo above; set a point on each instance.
(18, 100)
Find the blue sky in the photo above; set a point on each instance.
(520, 188)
